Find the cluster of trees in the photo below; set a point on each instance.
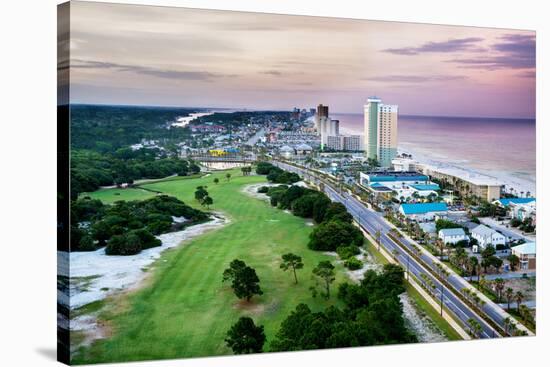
(127, 227)
(90, 169)
(334, 232)
(372, 315)
(526, 225)
(275, 174)
(490, 260)
(202, 196)
(105, 129)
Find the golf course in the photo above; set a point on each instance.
(182, 308)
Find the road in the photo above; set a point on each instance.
(372, 221)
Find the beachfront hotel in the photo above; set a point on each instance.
(380, 131)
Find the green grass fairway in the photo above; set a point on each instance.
(184, 310)
(111, 195)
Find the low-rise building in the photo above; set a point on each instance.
(423, 211)
(466, 182)
(404, 184)
(487, 236)
(527, 254)
(452, 235)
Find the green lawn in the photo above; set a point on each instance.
(184, 310)
(112, 195)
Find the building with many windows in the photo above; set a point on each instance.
(380, 131)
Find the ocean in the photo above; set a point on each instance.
(504, 149)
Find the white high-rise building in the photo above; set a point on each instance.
(380, 131)
(328, 128)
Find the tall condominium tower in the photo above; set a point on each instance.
(328, 128)
(380, 131)
(322, 111)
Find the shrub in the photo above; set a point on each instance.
(124, 244)
(346, 252)
(353, 264)
(263, 190)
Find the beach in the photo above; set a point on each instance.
(185, 120)
(498, 150)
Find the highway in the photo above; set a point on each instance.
(372, 221)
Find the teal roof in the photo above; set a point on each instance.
(507, 202)
(397, 178)
(434, 187)
(423, 208)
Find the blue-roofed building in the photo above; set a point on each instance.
(508, 201)
(423, 211)
(404, 184)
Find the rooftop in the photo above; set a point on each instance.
(385, 176)
(433, 187)
(506, 202)
(483, 230)
(423, 208)
(452, 232)
(528, 248)
(464, 174)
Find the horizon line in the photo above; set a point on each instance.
(248, 109)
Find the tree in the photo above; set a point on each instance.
(228, 176)
(216, 180)
(325, 271)
(200, 193)
(499, 287)
(328, 236)
(519, 298)
(475, 328)
(245, 337)
(472, 265)
(291, 261)
(244, 280)
(514, 262)
(509, 293)
(207, 201)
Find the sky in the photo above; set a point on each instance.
(164, 56)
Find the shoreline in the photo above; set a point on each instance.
(519, 181)
(184, 121)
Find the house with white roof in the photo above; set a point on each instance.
(452, 235)
(527, 254)
(487, 236)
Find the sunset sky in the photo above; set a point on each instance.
(143, 55)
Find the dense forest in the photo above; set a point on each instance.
(127, 227)
(105, 129)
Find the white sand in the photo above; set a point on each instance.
(94, 275)
(184, 121)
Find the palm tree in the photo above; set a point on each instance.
(509, 293)
(519, 298)
(377, 235)
(499, 287)
(472, 264)
(507, 321)
(441, 245)
(475, 327)
(482, 283)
